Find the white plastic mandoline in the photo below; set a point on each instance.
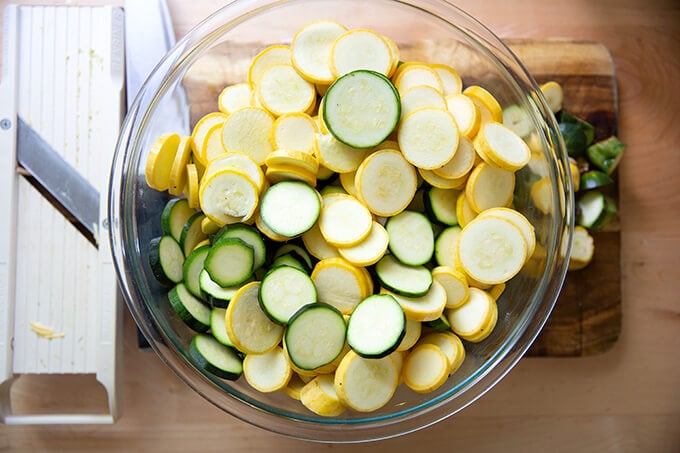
(63, 73)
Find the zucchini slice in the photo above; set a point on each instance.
(411, 237)
(190, 309)
(166, 260)
(193, 266)
(376, 326)
(175, 214)
(440, 205)
(593, 179)
(289, 208)
(446, 247)
(230, 262)
(362, 108)
(250, 236)
(283, 291)
(215, 358)
(315, 336)
(192, 233)
(211, 292)
(218, 328)
(606, 154)
(411, 281)
(594, 209)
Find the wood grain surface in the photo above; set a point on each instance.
(625, 399)
(586, 319)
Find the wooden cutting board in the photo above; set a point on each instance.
(587, 317)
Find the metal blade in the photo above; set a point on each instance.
(66, 185)
(149, 35)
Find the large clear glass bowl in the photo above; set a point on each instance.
(425, 30)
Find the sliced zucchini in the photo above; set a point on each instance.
(216, 295)
(291, 260)
(218, 328)
(440, 324)
(315, 336)
(594, 209)
(361, 108)
(175, 214)
(193, 266)
(192, 233)
(518, 119)
(376, 326)
(215, 358)
(290, 208)
(577, 133)
(166, 260)
(283, 291)
(230, 262)
(440, 205)
(593, 179)
(190, 309)
(411, 281)
(250, 236)
(297, 252)
(446, 247)
(411, 237)
(606, 154)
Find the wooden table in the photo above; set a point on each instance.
(627, 399)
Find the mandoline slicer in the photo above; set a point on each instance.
(63, 74)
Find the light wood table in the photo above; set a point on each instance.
(627, 399)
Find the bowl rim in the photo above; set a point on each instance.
(313, 428)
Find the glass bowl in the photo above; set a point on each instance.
(216, 53)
